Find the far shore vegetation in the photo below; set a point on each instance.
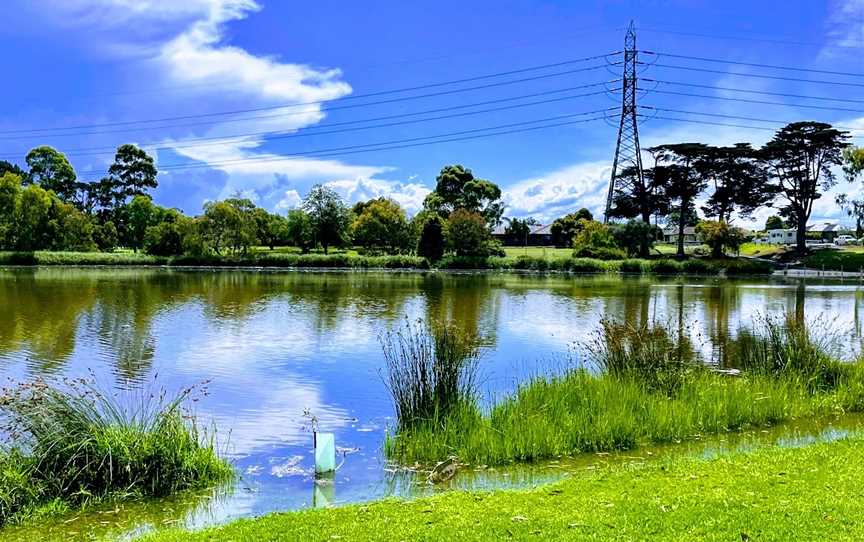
(49, 217)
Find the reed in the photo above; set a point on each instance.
(431, 371)
(72, 442)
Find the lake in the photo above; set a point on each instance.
(272, 345)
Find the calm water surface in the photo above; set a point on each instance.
(275, 344)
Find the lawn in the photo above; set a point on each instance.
(843, 259)
(805, 493)
(538, 252)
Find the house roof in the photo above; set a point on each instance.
(824, 227)
(542, 229)
(673, 230)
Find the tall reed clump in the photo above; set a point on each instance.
(77, 443)
(789, 347)
(650, 353)
(430, 371)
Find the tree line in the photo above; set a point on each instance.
(792, 170)
(46, 207)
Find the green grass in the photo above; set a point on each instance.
(72, 444)
(647, 386)
(351, 260)
(842, 259)
(760, 250)
(770, 494)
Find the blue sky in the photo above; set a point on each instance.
(76, 70)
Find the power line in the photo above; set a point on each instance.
(748, 91)
(743, 38)
(356, 96)
(761, 102)
(401, 143)
(709, 123)
(738, 117)
(760, 76)
(317, 130)
(752, 64)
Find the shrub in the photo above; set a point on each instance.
(663, 266)
(632, 266)
(719, 235)
(430, 372)
(696, 266)
(595, 240)
(635, 236)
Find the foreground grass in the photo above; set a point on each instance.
(351, 260)
(810, 493)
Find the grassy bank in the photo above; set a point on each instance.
(646, 384)
(348, 260)
(845, 259)
(72, 444)
(809, 493)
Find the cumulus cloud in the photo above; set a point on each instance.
(559, 192)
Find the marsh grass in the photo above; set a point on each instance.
(650, 352)
(72, 442)
(789, 346)
(430, 371)
(649, 389)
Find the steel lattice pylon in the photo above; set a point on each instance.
(627, 151)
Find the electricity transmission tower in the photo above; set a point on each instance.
(627, 152)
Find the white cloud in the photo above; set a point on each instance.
(409, 195)
(559, 192)
(845, 29)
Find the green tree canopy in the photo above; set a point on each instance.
(330, 217)
(380, 224)
(457, 188)
(564, 229)
(299, 230)
(801, 156)
(683, 174)
(467, 233)
(740, 181)
(774, 222)
(52, 171)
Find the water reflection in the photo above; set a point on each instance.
(274, 344)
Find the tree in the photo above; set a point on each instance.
(801, 155)
(10, 192)
(140, 214)
(740, 181)
(330, 217)
(31, 217)
(683, 177)
(166, 237)
(132, 173)
(381, 224)
(564, 229)
(230, 224)
(271, 228)
(9, 167)
(299, 230)
(634, 235)
(457, 188)
(516, 232)
(595, 240)
(105, 236)
(718, 235)
(639, 196)
(52, 171)
(430, 239)
(774, 222)
(467, 233)
(853, 166)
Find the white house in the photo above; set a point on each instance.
(782, 237)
